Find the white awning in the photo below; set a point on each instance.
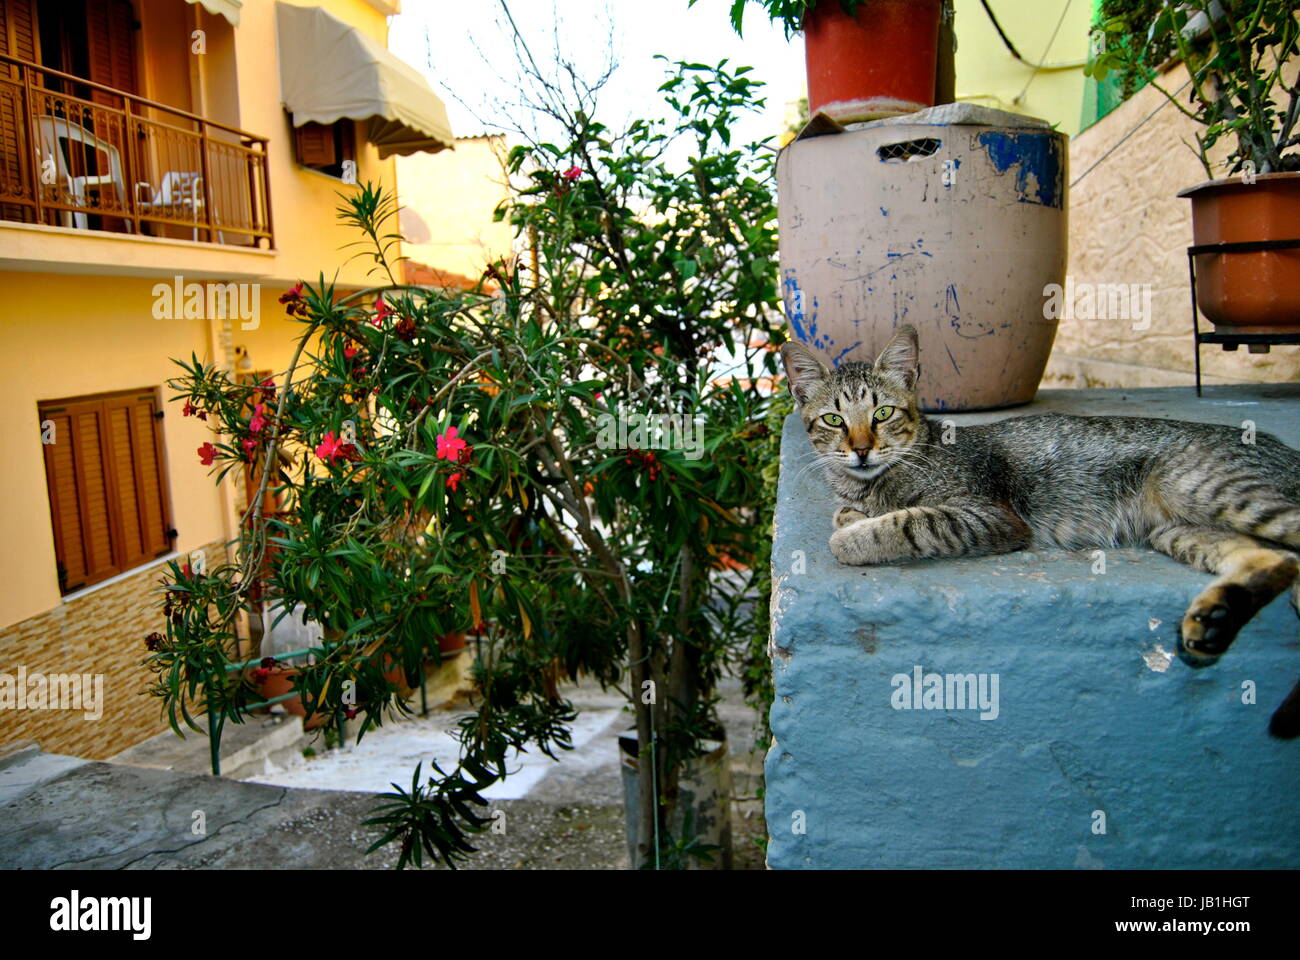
(330, 70)
(222, 8)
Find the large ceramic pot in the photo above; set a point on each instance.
(1257, 292)
(953, 220)
(880, 62)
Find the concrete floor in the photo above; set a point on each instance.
(160, 812)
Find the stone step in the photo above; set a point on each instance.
(1099, 749)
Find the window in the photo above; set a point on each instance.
(325, 147)
(107, 484)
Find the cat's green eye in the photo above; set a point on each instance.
(882, 414)
(832, 420)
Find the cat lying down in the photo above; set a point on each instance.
(1193, 491)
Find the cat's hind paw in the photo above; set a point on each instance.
(1212, 623)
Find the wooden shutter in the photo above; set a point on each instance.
(137, 478)
(316, 147)
(18, 38)
(108, 499)
(110, 42)
(80, 499)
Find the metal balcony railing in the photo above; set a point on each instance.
(78, 154)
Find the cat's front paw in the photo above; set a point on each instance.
(846, 515)
(853, 546)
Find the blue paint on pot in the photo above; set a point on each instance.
(953, 359)
(804, 324)
(1033, 154)
(949, 175)
(793, 297)
(836, 358)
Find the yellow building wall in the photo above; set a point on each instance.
(79, 320)
(308, 238)
(95, 332)
(72, 339)
(449, 199)
(989, 75)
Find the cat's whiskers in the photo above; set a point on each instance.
(818, 460)
(908, 457)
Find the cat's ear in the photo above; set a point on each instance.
(802, 369)
(901, 357)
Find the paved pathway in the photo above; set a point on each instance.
(62, 812)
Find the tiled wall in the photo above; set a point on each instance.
(101, 632)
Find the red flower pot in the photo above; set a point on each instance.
(451, 644)
(880, 62)
(280, 682)
(395, 676)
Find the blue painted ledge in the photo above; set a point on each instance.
(1093, 720)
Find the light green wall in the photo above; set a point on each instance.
(988, 74)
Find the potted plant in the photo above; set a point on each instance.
(1237, 57)
(451, 644)
(866, 59)
(274, 679)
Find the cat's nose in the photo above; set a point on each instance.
(862, 454)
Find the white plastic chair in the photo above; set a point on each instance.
(179, 188)
(55, 133)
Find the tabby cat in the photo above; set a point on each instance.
(1194, 491)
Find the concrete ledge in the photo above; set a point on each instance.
(247, 748)
(1096, 728)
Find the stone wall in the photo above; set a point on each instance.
(99, 633)
(1127, 225)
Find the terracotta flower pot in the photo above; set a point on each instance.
(880, 62)
(449, 645)
(1255, 292)
(279, 682)
(395, 676)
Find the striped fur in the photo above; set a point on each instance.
(1197, 492)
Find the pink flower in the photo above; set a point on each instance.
(350, 350)
(207, 453)
(332, 448)
(190, 410)
(258, 421)
(249, 445)
(294, 305)
(573, 173)
(382, 311)
(453, 481)
(450, 445)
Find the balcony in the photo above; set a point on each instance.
(82, 155)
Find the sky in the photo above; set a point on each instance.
(464, 48)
